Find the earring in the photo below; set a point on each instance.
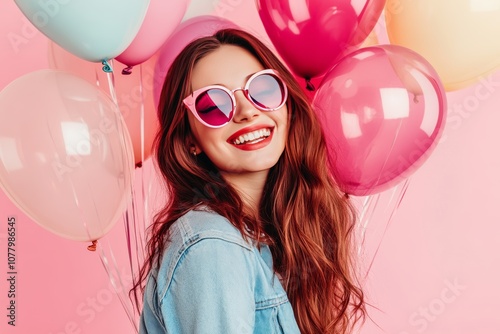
(193, 151)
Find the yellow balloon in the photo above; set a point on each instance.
(458, 37)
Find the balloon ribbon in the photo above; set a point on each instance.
(106, 66)
(92, 247)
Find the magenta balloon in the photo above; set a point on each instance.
(383, 110)
(187, 32)
(161, 19)
(312, 35)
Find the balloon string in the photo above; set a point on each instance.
(122, 131)
(119, 118)
(137, 232)
(138, 239)
(111, 86)
(97, 80)
(400, 190)
(130, 212)
(119, 289)
(140, 244)
(369, 205)
(141, 90)
(127, 215)
(362, 224)
(126, 224)
(389, 152)
(145, 198)
(132, 239)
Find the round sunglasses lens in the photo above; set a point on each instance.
(266, 91)
(214, 107)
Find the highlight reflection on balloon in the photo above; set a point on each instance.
(383, 109)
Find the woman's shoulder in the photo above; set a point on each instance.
(203, 236)
(204, 223)
(198, 225)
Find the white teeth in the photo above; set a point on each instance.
(248, 137)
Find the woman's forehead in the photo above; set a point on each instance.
(229, 65)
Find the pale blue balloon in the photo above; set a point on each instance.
(94, 30)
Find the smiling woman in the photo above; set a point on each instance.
(255, 236)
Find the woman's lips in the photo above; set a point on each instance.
(252, 138)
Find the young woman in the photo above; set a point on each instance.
(256, 235)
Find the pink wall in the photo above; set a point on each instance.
(435, 272)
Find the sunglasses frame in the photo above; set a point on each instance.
(190, 101)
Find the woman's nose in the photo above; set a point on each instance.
(245, 110)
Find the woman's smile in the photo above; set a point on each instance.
(252, 138)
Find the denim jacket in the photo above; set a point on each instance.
(212, 281)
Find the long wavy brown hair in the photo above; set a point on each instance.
(303, 216)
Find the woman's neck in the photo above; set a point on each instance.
(249, 186)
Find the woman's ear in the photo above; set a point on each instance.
(192, 145)
(194, 150)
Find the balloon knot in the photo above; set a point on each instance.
(309, 86)
(138, 165)
(92, 247)
(127, 70)
(346, 195)
(106, 66)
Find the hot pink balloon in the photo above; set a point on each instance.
(65, 154)
(162, 17)
(311, 35)
(383, 110)
(187, 32)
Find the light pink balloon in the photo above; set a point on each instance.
(65, 154)
(312, 35)
(383, 110)
(162, 17)
(187, 32)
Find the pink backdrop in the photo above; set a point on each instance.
(435, 272)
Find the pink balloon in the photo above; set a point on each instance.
(187, 32)
(161, 19)
(312, 35)
(65, 154)
(383, 110)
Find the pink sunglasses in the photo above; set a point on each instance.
(214, 105)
